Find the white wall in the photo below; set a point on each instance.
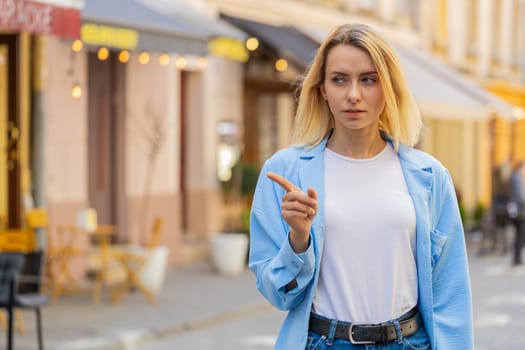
(223, 100)
(66, 123)
(152, 98)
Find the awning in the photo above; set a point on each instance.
(288, 41)
(182, 11)
(39, 17)
(225, 40)
(440, 91)
(154, 31)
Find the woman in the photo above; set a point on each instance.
(353, 232)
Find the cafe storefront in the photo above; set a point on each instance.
(128, 108)
(104, 105)
(25, 27)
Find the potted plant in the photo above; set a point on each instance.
(230, 246)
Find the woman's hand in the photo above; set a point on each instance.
(298, 210)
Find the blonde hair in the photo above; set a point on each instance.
(400, 118)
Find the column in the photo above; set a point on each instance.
(38, 175)
(349, 5)
(426, 24)
(386, 10)
(485, 28)
(507, 33)
(457, 32)
(519, 52)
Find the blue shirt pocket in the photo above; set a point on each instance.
(437, 240)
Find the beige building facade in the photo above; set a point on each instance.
(140, 140)
(120, 117)
(455, 65)
(137, 134)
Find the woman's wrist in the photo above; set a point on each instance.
(299, 241)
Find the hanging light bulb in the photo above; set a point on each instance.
(76, 91)
(281, 65)
(103, 54)
(252, 44)
(181, 63)
(123, 56)
(164, 59)
(77, 45)
(202, 63)
(144, 57)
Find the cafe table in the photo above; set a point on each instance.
(95, 245)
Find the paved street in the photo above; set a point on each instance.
(200, 309)
(499, 304)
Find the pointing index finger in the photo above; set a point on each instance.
(283, 182)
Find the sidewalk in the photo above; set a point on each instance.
(196, 298)
(193, 297)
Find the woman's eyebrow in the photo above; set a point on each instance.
(360, 74)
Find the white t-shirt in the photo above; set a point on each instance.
(368, 270)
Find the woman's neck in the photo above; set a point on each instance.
(356, 145)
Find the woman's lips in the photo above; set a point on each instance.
(353, 112)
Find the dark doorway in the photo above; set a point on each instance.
(260, 99)
(106, 139)
(11, 202)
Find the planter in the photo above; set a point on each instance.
(229, 251)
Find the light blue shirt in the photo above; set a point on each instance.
(445, 300)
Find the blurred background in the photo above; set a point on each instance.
(144, 123)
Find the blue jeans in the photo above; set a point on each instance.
(416, 341)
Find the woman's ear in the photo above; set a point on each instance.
(322, 90)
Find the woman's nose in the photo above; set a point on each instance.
(354, 94)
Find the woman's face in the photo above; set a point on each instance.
(352, 89)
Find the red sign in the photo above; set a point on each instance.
(39, 18)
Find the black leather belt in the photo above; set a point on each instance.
(361, 333)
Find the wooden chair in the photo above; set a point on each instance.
(11, 265)
(102, 263)
(134, 259)
(59, 252)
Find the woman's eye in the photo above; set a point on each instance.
(368, 80)
(338, 80)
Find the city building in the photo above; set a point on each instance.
(470, 92)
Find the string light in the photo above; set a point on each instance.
(202, 63)
(103, 54)
(76, 91)
(77, 45)
(252, 44)
(123, 56)
(164, 59)
(144, 57)
(281, 65)
(181, 63)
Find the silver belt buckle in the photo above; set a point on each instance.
(351, 334)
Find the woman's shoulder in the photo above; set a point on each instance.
(283, 157)
(287, 160)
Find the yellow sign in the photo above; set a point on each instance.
(17, 240)
(101, 35)
(228, 48)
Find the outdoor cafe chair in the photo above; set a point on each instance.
(61, 249)
(11, 265)
(102, 263)
(135, 258)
